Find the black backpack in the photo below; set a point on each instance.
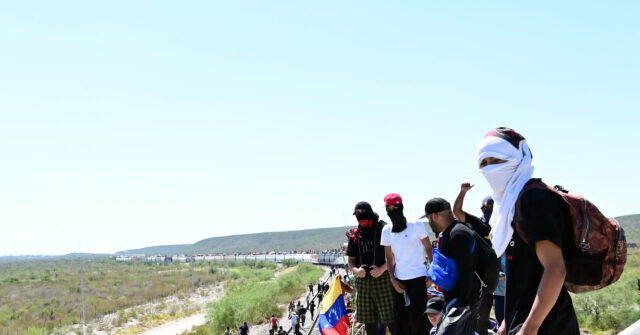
(488, 263)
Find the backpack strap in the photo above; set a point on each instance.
(482, 284)
(533, 183)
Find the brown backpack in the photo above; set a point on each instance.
(601, 246)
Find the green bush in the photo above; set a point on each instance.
(256, 300)
(250, 263)
(265, 265)
(110, 286)
(36, 331)
(614, 307)
(289, 262)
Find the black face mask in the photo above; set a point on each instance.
(365, 220)
(397, 219)
(364, 216)
(487, 214)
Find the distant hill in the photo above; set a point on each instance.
(316, 239)
(83, 255)
(157, 250)
(23, 257)
(40, 257)
(631, 225)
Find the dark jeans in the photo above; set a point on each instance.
(375, 329)
(482, 322)
(498, 304)
(410, 320)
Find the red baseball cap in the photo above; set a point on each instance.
(392, 199)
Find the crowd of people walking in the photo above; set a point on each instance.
(297, 312)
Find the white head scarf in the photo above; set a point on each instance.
(506, 179)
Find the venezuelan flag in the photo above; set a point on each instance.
(333, 318)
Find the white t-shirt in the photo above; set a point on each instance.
(408, 249)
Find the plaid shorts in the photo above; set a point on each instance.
(374, 299)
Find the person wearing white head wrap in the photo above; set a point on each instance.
(536, 300)
(506, 179)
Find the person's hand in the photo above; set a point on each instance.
(502, 329)
(376, 271)
(428, 281)
(349, 233)
(361, 272)
(397, 286)
(527, 330)
(466, 187)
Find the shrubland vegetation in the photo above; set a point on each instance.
(41, 295)
(256, 299)
(37, 296)
(631, 225)
(615, 307)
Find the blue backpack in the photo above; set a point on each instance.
(443, 271)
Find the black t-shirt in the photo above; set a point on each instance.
(457, 243)
(544, 217)
(244, 330)
(480, 226)
(368, 246)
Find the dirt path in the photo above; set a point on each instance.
(178, 326)
(181, 325)
(194, 305)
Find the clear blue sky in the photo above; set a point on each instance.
(128, 124)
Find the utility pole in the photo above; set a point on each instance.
(193, 260)
(84, 306)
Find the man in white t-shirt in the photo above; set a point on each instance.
(406, 244)
(294, 321)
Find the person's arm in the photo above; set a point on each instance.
(427, 247)
(482, 228)
(377, 271)
(346, 287)
(457, 205)
(358, 270)
(423, 235)
(462, 243)
(550, 256)
(391, 265)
